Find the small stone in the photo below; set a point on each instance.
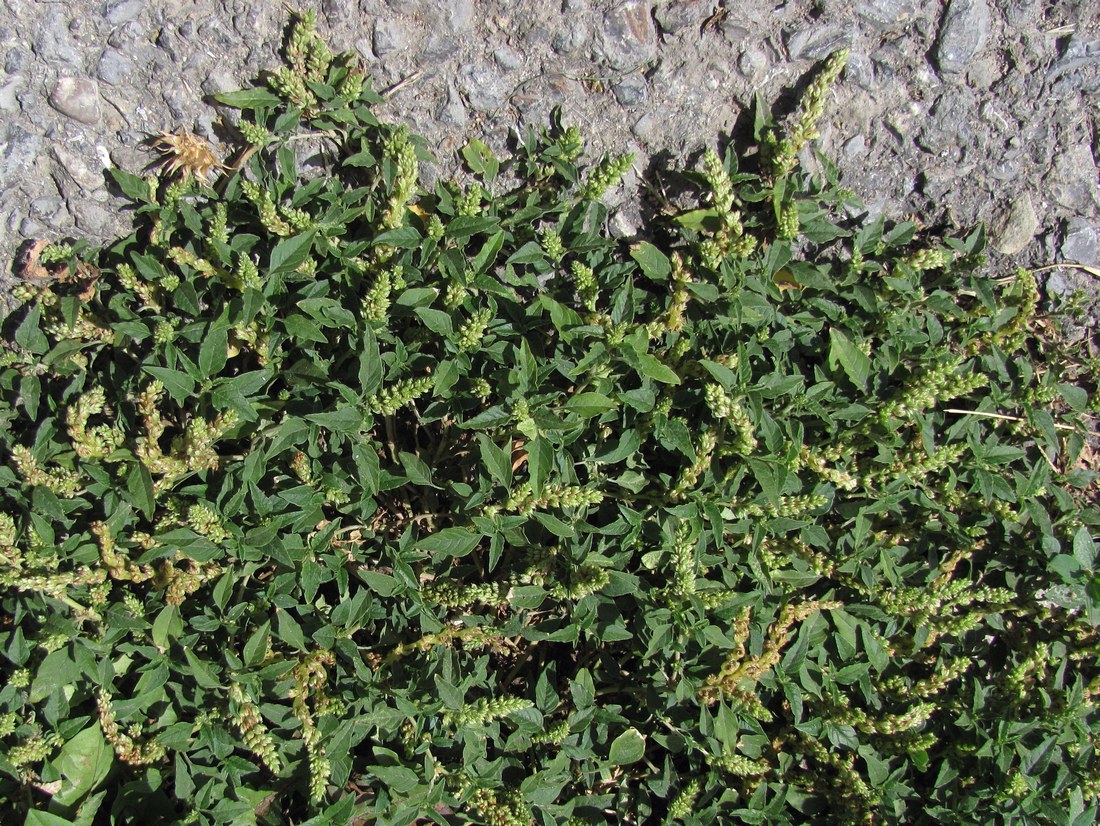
(85, 177)
(54, 43)
(1079, 244)
(440, 47)
(123, 11)
(752, 62)
(218, 81)
(91, 217)
(453, 112)
(1019, 13)
(854, 147)
(46, 206)
(1078, 54)
(624, 223)
(390, 36)
(9, 102)
(815, 42)
(964, 30)
(508, 58)
(458, 14)
(629, 38)
(18, 150)
(885, 14)
(15, 60)
(176, 101)
(30, 228)
(77, 98)
(569, 40)
(125, 35)
(632, 90)
(114, 68)
(674, 15)
(1017, 227)
(646, 127)
(481, 86)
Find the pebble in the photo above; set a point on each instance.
(481, 86)
(854, 147)
(860, 71)
(963, 34)
(77, 98)
(390, 35)
(816, 42)
(1078, 54)
(15, 60)
(91, 217)
(459, 14)
(674, 15)
(85, 177)
(569, 40)
(9, 101)
(632, 90)
(123, 11)
(440, 47)
(220, 80)
(1019, 13)
(54, 43)
(453, 112)
(404, 6)
(752, 62)
(18, 150)
(885, 14)
(629, 38)
(1079, 244)
(646, 127)
(508, 58)
(30, 228)
(1017, 226)
(114, 68)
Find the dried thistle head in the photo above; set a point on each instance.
(185, 154)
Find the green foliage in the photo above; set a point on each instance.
(326, 496)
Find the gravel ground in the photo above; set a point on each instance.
(954, 112)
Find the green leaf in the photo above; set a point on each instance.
(435, 320)
(38, 818)
(589, 404)
(133, 186)
(28, 335)
(180, 386)
(398, 778)
(450, 542)
(653, 368)
(84, 762)
(56, 671)
(1084, 549)
(249, 99)
(480, 160)
(540, 458)
(853, 360)
(416, 469)
(213, 352)
(203, 674)
(256, 647)
(497, 461)
(529, 253)
(654, 264)
(166, 626)
(627, 748)
(290, 253)
(139, 482)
